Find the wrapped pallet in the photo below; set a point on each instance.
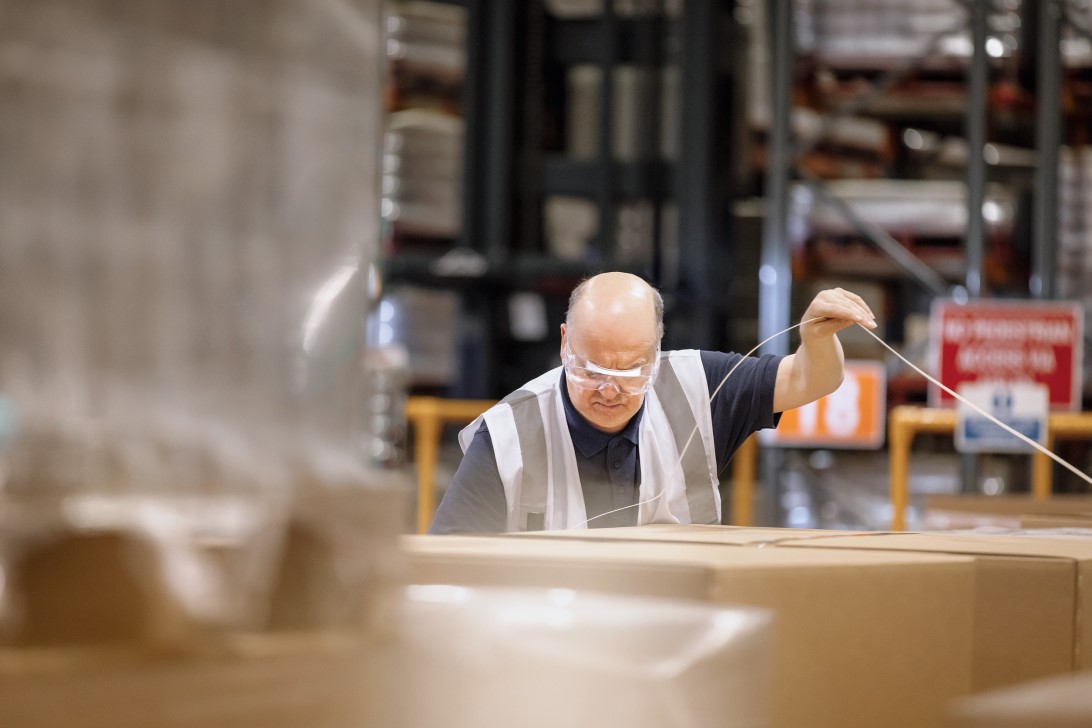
(189, 223)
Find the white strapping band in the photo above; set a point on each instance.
(972, 405)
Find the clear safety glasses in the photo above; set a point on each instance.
(587, 375)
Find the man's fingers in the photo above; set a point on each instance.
(860, 301)
(846, 306)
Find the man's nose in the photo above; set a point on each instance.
(612, 384)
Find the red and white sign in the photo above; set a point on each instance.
(852, 417)
(1009, 341)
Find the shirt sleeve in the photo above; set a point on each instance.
(474, 502)
(744, 403)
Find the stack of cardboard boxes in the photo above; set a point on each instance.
(946, 512)
(93, 633)
(872, 628)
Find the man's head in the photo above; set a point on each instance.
(614, 322)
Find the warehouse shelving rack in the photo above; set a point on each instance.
(514, 51)
(776, 278)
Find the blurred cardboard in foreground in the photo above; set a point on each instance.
(1061, 702)
(340, 564)
(274, 683)
(542, 658)
(863, 639)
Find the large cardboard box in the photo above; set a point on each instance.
(1061, 702)
(862, 638)
(483, 657)
(1033, 596)
(945, 512)
(1033, 602)
(274, 682)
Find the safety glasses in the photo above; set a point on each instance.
(588, 375)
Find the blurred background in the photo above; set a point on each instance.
(890, 149)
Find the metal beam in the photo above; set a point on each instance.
(606, 199)
(500, 20)
(697, 172)
(775, 271)
(1047, 138)
(474, 129)
(976, 141)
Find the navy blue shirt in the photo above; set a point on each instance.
(609, 464)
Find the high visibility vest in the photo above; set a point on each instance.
(537, 462)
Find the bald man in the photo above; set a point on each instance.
(623, 434)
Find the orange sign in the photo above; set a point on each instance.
(853, 417)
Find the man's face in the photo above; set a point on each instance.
(608, 409)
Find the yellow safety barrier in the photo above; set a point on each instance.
(428, 415)
(906, 422)
(743, 482)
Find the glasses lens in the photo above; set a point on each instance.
(587, 375)
(588, 379)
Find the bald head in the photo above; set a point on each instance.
(616, 305)
(615, 321)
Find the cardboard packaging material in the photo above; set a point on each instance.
(1033, 600)
(1033, 596)
(269, 683)
(541, 658)
(89, 588)
(1053, 520)
(101, 639)
(340, 566)
(453, 658)
(943, 512)
(172, 569)
(137, 568)
(1060, 702)
(862, 639)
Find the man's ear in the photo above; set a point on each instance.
(562, 351)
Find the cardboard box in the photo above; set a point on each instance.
(1052, 520)
(862, 639)
(943, 512)
(1033, 601)
(482, 657)
(1061, 702)
(1033, 596)
(273, 683)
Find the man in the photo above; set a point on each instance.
(623, 433)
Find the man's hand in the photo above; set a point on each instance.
(838, 309)
(816, 369)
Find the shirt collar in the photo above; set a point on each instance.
(589, 440)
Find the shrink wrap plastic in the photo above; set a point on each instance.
(539, 658)
(189, 221)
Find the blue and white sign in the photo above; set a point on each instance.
(1023, 406)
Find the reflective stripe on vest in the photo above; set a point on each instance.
(532, 444)
(695, 461)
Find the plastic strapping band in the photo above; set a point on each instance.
(972, 405)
